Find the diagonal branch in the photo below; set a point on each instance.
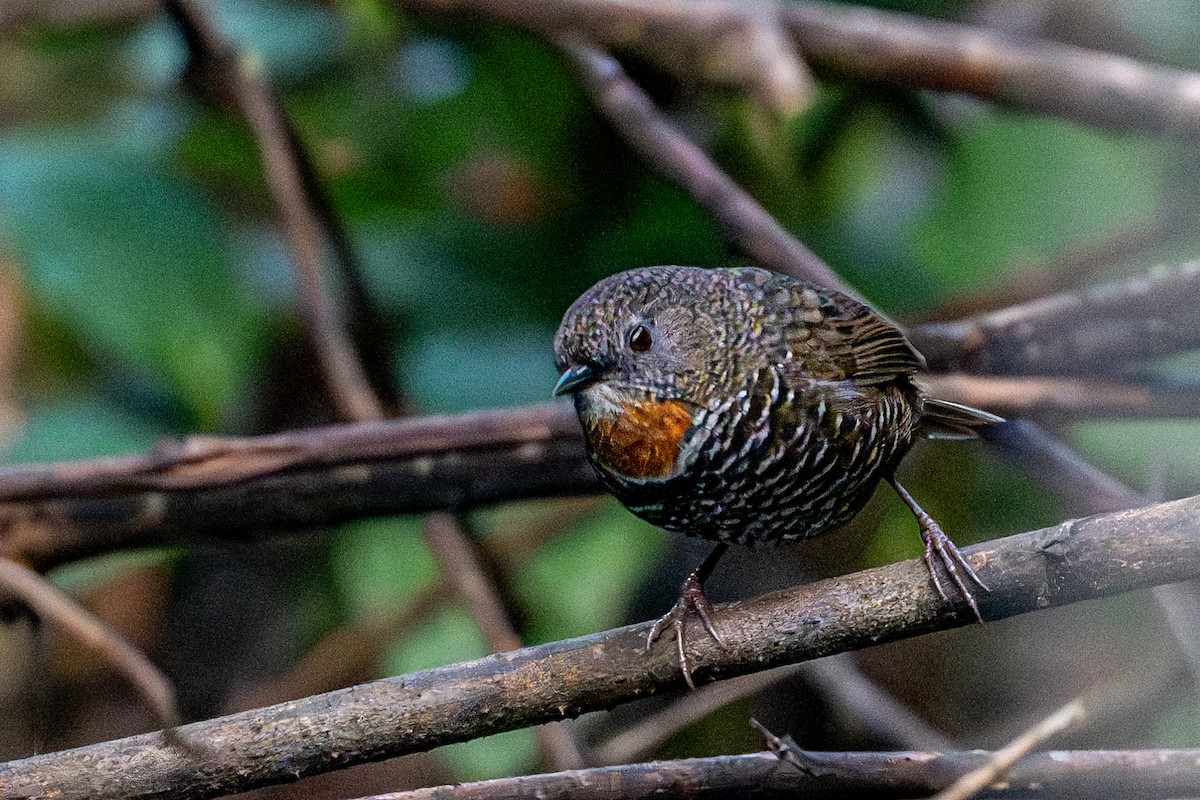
(53, 605)
(289, 181)
(747, 225)
(1076, 560)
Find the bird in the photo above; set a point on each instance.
(743, 406)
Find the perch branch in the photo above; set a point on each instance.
(1072, 561)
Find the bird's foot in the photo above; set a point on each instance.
(939, 546)
(692, 602)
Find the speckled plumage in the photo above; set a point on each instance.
(760, 408)
(801, 400)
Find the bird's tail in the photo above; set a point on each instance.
(941, 419)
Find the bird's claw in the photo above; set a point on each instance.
(938, 544)
(692, 602)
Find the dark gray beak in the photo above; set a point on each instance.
(574, 379)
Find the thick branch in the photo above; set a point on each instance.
(204, 487)
(1097, 774)
(230, 487)
(1072, 561)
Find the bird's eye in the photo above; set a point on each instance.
(640, 339)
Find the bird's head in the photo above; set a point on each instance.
(671, 333)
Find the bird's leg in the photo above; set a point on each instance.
(691, 601)
(951, 558)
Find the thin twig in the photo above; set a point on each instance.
(1065, 397)
(53, 605)
(458, 560)
(344, 375)
(1003, 759)
(1074, 561)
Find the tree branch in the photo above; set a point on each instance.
(235, 488)
(1038, 75)
(887, 47)
(1056, 775)
(1073, 561)
(1096, 330)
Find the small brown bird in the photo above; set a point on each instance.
(744, 406)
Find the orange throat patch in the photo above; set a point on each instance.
(640, 439)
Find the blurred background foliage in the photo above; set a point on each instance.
(145, 293)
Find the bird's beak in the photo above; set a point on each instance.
(574, 379)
